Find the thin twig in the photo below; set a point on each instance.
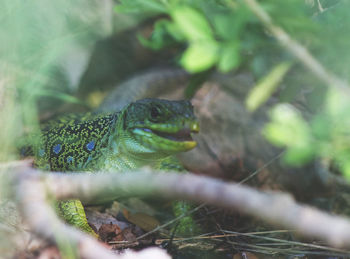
(262, 167)
(281, 241)
(297, 49)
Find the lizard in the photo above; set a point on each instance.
(147, 132)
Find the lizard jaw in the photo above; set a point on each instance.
(180, 136)
(177, 142)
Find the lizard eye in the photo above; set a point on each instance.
(155, 112)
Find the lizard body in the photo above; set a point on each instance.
(146, 132)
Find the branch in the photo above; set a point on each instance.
(275, 208)
(297, 49)
(32, 196)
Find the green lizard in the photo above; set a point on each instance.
(146, 132)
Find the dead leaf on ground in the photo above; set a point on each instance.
(110, 232)
(97, 219)
(142, 220)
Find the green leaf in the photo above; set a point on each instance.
(346, 170)
(200, 56)
(174, 30)
(229, 25)
(229, 57)
(264, 89)
(287, 127)
(160, 37)
(192, 23)
(298, 156)
(337, 103)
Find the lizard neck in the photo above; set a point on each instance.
(125, 152)
(120, 158)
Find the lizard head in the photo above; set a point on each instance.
(159, 126)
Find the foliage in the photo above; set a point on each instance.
(263, 90)
(226, 35)
(221, 34)
(36, 39)
(325, 135)
(211, 29)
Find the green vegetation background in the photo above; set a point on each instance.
(43, 46)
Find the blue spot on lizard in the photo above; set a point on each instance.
(57, 148)
(41, 152)
(90, 146)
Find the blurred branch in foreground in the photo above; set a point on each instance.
(275, 208)
(31, 192)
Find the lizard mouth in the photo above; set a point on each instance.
(180, 136)
(164, 138)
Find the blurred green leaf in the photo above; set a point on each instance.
(288, 129)
(229, 25)
(267, 85)
(229, 57)
(192, 23)
(160, 37)
(321, 127)
(298, 156)
(200, 56)
(345, 167)
(337, 103)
